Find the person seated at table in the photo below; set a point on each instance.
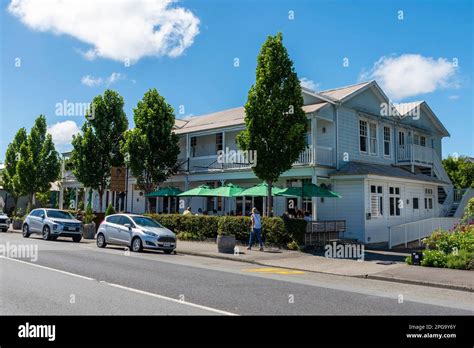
(187, 211)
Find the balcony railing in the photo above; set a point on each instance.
(412, 153)
(325, 155)
(306, 157)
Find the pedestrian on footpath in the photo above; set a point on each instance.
(256, 229)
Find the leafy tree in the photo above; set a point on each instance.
(97, 149)
(9, 174)
(38, 164)
(110, 210)
(151, 148)
(460, 171)
(274, 119)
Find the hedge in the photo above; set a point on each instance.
(199, 227)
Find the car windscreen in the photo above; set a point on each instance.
(58, 214)
(146, 222)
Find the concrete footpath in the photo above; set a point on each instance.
(373, 269)
(377, 265)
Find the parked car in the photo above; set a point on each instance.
(51, 224)
(135, 231)
(4, 222)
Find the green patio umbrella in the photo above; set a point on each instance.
(197, 191)
(228, 190)
(308, 190)
(165, 192)
(260, 190)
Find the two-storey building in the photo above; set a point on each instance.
(384, 161)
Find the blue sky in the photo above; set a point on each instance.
(61, 61)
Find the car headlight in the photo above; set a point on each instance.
(57, 226)
(151, 234)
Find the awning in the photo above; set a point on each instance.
(260, 190)
(165, 192)
(197, 191)
(308, 190)
(228, 190)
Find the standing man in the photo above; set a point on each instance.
(256, 228)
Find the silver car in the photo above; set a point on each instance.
(136, 232)
(51, 224)
(4, 222)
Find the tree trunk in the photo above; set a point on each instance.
(147, 203)
(270, 197)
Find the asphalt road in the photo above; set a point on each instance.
(72, 278)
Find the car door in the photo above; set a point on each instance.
(125, 234)
(112, 229)
(35, 220)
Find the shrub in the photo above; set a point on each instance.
(80, 205)
(460, 260)
(239, 226)
(462, 238)
(89, 215)
(408, 260)
(110, 210)
(468, 216)
(434, 258)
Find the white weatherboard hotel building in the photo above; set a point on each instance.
(372, 158)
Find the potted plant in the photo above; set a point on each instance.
(89, 224)
(17, 220)
(225, 237)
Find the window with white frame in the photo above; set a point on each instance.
(422, 140)
(395, 200)
(428, 199)
(416, 203)
(193, 146)
(363, 136)
(309, 138)
(387, 141)
(416, 139)
(373, 138)
(376, 201)
(219, 139)
(401, 138)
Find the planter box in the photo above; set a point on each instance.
(226, 244)
(89, 231)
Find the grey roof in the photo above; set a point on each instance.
(362, 168)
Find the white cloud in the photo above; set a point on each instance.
(116, 29)
(62, 133)
(409, 75)
(310, 84)
(92, 81)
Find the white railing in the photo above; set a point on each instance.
(306, 157)
(416, 230)
(415, 154)
(325, 155)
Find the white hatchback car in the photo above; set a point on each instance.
(136, 232)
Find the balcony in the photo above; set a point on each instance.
(415, 154)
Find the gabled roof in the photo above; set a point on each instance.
(362, 168)
(226, 118)
(341, 93)
(405, 108)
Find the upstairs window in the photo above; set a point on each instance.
(416, 139)
(387, 141)
(193, 146)
(373, 138)
(309, 138)
(363, 136)
(422, 140)
(219, 142)
(401, 138)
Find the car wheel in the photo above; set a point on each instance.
(76, 239)
(101, 241)
(46, 233)
(137, 245)
(25, 231)
(168, 251)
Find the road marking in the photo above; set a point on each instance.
(168, 298)
(48, 268)
(273, 271)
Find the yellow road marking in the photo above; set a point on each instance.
(272, 271)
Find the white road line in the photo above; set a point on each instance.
(169, 299)
(48, 268)
(125, 287)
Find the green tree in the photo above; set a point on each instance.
(97, 149)
(274, 119)
(151, 149)
(9, 174)
(38, 164)
(460, 170)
